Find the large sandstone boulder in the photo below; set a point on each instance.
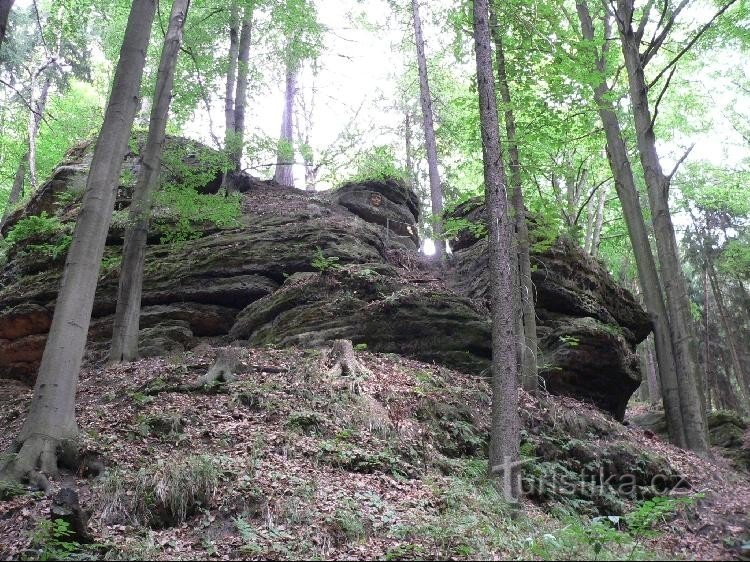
(588, 325)
(259, 280)
(371, 305)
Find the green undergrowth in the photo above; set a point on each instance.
(318, 468)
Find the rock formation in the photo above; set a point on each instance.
(256, 281)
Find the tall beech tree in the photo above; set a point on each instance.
(238, 72)
(658, 183)
(302, 33)
(627, 193)
(284, 174)
(127, 315)
(505, 428)
(50, 430)
(436, 188)
(525, 289)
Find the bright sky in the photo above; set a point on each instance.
(358, 67)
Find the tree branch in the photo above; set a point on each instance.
(679, 163)
(692, 42)
(658, 40)
(661, 95)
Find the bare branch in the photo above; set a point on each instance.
(661, 95)
(692, 42)
(658, 40)
(679, 163)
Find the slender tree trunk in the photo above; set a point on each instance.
(652, 375)
(16, 192)
(127, 314)
(675, 288)
(51, 424)
(728, 331)
(649, 280)
(436, 189)
(285, 156)
(5, 6)
(529, 378)
(597, 234)
(234, 49)
(505, 424)
(35, 119)
(240, 100)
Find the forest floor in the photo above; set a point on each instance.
(286, 463)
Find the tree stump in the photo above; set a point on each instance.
(342, 364)
(65, 506)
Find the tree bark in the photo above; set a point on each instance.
(234, 49)
(652, 375)
(240, 100)
(51, 424)
(35, 119)
(505, 423)
(617, 155)
(728, 331)
(529, 351)
(124, 345)
(436, 189)
(657, 183)
(5, 6)
(285, 155)
(597, 234)
(16, 191)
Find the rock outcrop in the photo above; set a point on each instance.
(257, 280)
(588, 325)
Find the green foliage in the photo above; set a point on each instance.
(378, 163)
(41, 235)
(453, 227)
(323, 263)
(54, 541)
(10, 489)
(39, 226)
(181, 211)
(650, 513)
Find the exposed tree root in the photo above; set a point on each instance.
(343, 367)
(37, 458)
(223, 370)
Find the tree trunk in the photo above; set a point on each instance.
(35, 119)
(51, 424)
(597, 234)
(127, 314)
(285, 155)
(675, 288)
(234, 49)
(240, 100)
(652, 375)
(728, 331)
(436, 189)
(505, 423)
(649, 280)
(529, 377)
(5, 6)
(16, 192)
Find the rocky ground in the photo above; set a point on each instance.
(291, 461)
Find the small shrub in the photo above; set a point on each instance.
(161, 496)
(305, 421)
(346, 525)
(10, 490)
(41, 235)
(323, 263)
(54, 541)
(380, 164)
